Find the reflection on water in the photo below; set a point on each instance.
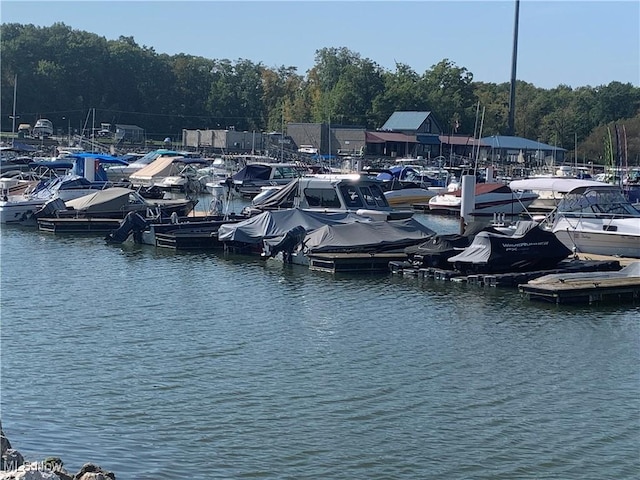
(157, 364)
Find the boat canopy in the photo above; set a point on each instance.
(101, 157)
(552, 184)
(398, 172)
(278, 222)
(602, 199)
(253, 171)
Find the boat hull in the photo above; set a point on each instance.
(614, 238)
(12, 211)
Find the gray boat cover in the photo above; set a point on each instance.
(367, 237)
(108, 200)
(270, 224)
(116, 199)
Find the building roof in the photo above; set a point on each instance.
(128, 127)
(405, 121)
(382, 137)
(517, 143)
(461, 140)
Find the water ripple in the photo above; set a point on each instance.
(159, 365)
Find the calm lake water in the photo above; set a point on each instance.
(163, 365)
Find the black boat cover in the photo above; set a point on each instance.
(529, 248)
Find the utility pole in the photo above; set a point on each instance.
(514, 60)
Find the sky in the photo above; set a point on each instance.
(574, 43)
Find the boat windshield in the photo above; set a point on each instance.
(609, 201)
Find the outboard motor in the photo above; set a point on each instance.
(285, 243)
(50, 208)
(133, 222)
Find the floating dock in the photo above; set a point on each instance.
(78, 225)
(189, 240)
(584, 290)
(354, 262)
(573, 281)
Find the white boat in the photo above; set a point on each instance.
(85, 175)
(121, 172)
(249, 180)
(335, 193)
(403, 186)
(15, 182)
(550, 190)
(42, 129)
(598, 220)
(170, 174)
(490, 198)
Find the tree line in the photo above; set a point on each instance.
(64, 73)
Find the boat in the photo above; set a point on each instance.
(42, 129)
(529, 248)
(175, 174)
(403, 186)
(351, 246)
(369, 237)
(198, 232)
(122, 172)
(15, 182)
(248, 235)
(597, 219)
(79, 175)
(436, 250)
(336, 193)
(550, 190)
(249, 180)
(490, 198)
(114, 202)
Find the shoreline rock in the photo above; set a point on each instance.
(14, 467)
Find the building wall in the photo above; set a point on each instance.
(314, 134)
(348, 141)
(223, 140)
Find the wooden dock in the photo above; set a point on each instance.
(586, 280)
(584, 290)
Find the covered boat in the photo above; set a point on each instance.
(249, 180)
(369, 237)
(436, 251)
(248, 236)
(115, 202)
(528, 248)
(352, 193)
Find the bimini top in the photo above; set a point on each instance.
(552, 184)
(101, 157)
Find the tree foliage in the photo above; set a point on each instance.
(63, 73)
